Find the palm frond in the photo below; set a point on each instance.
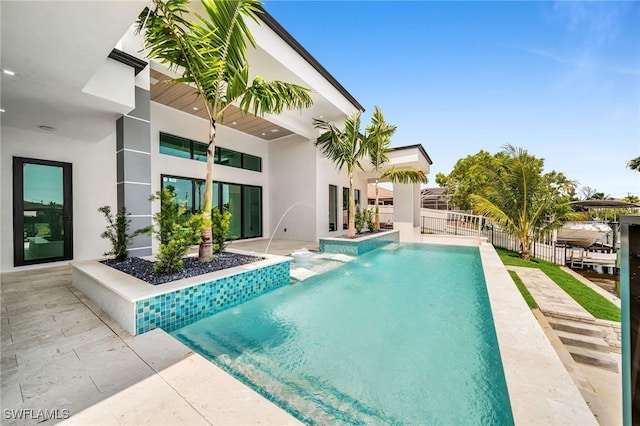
(405, 175)
(273, 97)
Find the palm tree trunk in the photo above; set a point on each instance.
(205, 251)
(352, 208)
(377, 209)
(525, 245)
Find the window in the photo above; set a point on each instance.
(333, 208)
(175, 146)
(200, 151)
(187, 148)
(230, 158)
(251, 162)
(244, 202)
(345, 205)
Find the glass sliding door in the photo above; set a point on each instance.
(252, 211)
(345, 208)
(42, 222)
(333, 208)
(232, 201)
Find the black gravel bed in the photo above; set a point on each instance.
(143, 269)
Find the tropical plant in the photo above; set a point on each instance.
(369, 219)
(634, 164)
(468, 176)
(522, 200)
(210, 53)
(345, 148)
(630, 198)
(358, 220)
(379, 134)
(117, 232)
(220, 225)
(176, 231)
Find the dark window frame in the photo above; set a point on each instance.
(18, 210)
(335, 202)
(219, 200)
(216, 153)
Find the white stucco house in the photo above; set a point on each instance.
(87, 121)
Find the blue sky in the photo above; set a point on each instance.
(560, 79)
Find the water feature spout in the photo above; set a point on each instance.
(304, 204)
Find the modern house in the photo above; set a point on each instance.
(87, 121)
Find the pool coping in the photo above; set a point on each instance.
(541, 390)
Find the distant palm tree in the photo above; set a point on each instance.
(379, 134)
(210, 53)
(633, 199)
(522, 200)
(634, 164)
(345, 148)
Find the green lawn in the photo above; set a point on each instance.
(595, 304)
(523, 290)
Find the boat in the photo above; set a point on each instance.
(583, 234)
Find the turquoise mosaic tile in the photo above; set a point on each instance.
(176, 309)
(354, 248)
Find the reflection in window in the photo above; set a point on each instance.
(175, 146)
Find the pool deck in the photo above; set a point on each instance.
(60, 351)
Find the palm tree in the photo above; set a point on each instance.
(379, 134)
(345, 148)
(634, 164)
(210, 53)
(522, 200)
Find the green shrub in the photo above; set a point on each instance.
(117, 232)
(369, 218)
(359, 220)
(176, 232)
(220, 224)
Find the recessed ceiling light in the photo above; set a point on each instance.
(263, 134)
(195, 108)
(234, 123)
(47, 128)
(275, 130)
(322, 116)
(8, 72)
(1, 109)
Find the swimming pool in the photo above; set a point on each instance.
(403, 334)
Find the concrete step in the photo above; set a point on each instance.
(589, 342)
(575, 327)
(588, 356)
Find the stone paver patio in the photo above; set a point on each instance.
(63, 354)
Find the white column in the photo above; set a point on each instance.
(406, 209)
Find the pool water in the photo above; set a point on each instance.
(403, 334)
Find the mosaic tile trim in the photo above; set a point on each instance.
(176, 309)
(354, 248)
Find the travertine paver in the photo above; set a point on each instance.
(551, 299)
(61, 353)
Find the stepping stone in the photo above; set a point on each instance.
(301, 274)
(588, 356)
(588, 342)
(336, 256)
(574, 327)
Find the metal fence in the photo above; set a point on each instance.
(470, 225)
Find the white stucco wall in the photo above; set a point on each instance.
(293, 181)
(93, 183)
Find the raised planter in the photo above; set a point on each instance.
(357, 246)
(140, 307)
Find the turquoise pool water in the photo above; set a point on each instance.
(402, 335)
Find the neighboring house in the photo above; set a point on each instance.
(88, 122)
(385, 196)
(436, 198)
